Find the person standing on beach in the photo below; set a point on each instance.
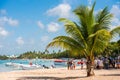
(30, 63)
(74, 64)
(118, 63)
(106, 63)
(68, 64)
(82, 64)
(95, 63)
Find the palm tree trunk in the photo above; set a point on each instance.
(90, 68)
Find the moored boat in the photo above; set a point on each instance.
(29, 67)
(23, 66)
(60, 62)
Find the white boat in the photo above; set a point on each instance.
(23, 66)
(60, 62)
(12, 64)
(29, 67)
(9, 64)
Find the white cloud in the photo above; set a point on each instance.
(115, 10)
(39, 23)
(44, 38)
(89, 2)
(32, 41)
(1, 46)
(3, 32)
(69, 1)
(62, 10)
(13, 22)
(3, 11)
(53, 27)
(20, 41)
(10, 21)
(3, 20)
(97, 11)
(116, 21)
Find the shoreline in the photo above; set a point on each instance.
(60, 74)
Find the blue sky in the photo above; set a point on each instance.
(28, 25)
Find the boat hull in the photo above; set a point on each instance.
(60, 62)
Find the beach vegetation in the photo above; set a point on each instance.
(113, 49)
(3, 57)
(45, 55)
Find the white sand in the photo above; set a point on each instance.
(60, 74)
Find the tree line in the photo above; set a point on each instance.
(112, 50)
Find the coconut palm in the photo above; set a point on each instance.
(89, 36)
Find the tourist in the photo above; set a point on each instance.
(68, 64)
(74, 64)
(106, 63)
(118, 63)
(101, 64)
(82, 62)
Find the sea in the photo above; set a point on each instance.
(46, 62)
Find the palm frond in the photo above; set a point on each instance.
(103, 18)
(82, 13)
(73, 31)
(115, 31)
(65, 45)
(91, 20)
(69, 40)
(87, 20)
(101, 39)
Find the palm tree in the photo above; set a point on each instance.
(88, 36)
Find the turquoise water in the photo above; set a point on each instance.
(45, 62)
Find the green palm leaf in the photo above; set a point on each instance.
(65, 45)
(101, 40)
(69, 40)
(115, 31)
(73, 31)
(103, 19)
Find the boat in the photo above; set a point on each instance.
(60, 62)
(11, 64)
(23, 66)
(29, 67)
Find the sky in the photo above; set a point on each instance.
(28, 25)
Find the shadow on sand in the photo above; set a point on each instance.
(47, 78)
(111, 75)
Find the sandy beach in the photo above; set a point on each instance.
(60, 74)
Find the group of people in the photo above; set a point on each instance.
(106, 63)
(99, 63)
(71, 64)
